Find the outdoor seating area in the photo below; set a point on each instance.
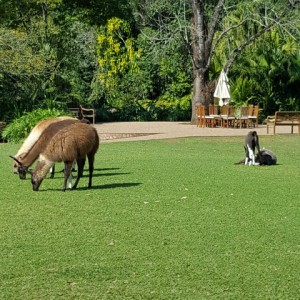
(227, 116)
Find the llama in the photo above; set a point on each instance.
(34, 136)
(29, 157)
(74, 142)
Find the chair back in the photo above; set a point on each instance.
(255, 111)
(200, 115)
(213, 109)
(200, 111)
(231, 111)
(244, 111)
(224, 111)
(250, 110)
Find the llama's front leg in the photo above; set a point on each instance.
(67, 173)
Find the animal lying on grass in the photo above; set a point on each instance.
(74, 142)
(264, 157)
(34, 135)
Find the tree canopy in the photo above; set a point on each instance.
(147, 60)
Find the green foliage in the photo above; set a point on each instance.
(154, 228)
(149, 110)
(19, 128)
(117, 57)
(54, 49)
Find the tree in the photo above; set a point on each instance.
(206, 33)
(118, 63)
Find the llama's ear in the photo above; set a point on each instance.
(16, 160)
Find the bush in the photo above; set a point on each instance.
(19, 128)
(149, 110)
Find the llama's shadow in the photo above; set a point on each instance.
(97, 173)
(110, 186)
(96, 187)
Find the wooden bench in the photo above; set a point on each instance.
(75, 112)
(284, 118)
(87, 113)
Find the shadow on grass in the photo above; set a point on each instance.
(95, 173)
(111, 186)
(97, 187)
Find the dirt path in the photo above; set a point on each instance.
(137, 131)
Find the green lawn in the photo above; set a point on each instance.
(169, 219)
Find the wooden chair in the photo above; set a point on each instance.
(242, 119)
(87, 113)
(200, 116)
(211, 120)
(250, 110)
(228, 116)
(253, 118)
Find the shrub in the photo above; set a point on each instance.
(19, 128)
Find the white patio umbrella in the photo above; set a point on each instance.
(222, 89)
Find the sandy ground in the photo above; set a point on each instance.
(137, 131)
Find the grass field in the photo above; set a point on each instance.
(169, 219)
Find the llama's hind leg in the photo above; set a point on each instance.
(80, 165)
(52, 171)
(67, 174)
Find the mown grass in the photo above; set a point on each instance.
(169, 219)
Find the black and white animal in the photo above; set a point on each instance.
(251, 143)
(74, 142)
(264, 157)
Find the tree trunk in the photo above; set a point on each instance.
(198, 93)
(202, 35)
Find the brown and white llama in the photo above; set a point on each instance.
(42, 139)
(74, 142)
(34, 135)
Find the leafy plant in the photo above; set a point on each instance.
(21, 127)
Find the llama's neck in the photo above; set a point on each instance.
(43, 167)
(29, 142)
(28, 158)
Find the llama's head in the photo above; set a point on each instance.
(36, 180)
(19, 168)
(38, 174)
